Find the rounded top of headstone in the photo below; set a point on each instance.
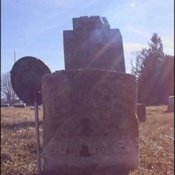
(26, 76)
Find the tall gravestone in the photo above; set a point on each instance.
(92, 44)
(90, 124)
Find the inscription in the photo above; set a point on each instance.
(124, 145)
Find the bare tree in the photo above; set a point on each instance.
(6, 88)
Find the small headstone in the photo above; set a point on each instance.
(19, 105)
(32, 108)
(170, 103)
(141, 112)
(5, 105)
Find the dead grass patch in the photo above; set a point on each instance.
(18, 142)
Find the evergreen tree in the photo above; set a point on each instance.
(148, 71)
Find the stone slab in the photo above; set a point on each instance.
(92, 44)
(171, 104)
(89, 122)
(141, 112)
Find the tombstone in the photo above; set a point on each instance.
(170, 103)
(90, 125)
(5, 105)
(141, 112)
(92, 44)
(19, 105)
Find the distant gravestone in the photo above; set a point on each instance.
(141, 112)
(5, 105)
(19, 105)
(170, 103)
(92, 44)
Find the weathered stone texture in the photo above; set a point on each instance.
(92, 44)
(90, 126)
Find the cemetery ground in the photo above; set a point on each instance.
(18, 152)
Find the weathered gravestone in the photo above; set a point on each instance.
(92, 44)
(90, 124)
(141, 112)
(170, 103)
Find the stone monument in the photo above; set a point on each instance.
(170, 104)
(90, 124)
(141, 112)
(92, 44)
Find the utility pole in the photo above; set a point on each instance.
(15, 96)
(14, 56)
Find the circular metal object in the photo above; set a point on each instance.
(26, 76)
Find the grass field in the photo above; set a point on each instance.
(18, 142)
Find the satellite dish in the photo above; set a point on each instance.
(26, 76)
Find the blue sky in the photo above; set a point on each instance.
(35, 27)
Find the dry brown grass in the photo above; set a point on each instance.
(156, 143)
(18, 142)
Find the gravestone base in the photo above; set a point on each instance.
(90, 125)
(91, 170)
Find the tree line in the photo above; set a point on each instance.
(154, 71)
